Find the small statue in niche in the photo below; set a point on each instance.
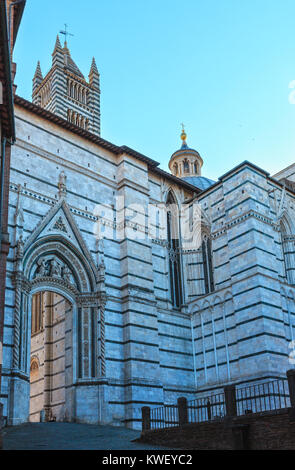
(102, 269)
(67, 274)
(62, 184)
(55, 268)
(42, 268)
(20, 247)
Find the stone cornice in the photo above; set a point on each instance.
(126, 182)
(242, 218)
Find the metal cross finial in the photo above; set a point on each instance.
(182, 126)
(66, 33)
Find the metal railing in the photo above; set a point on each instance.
(232, 401)
(206, 408)
(198, 410)
(164, 417)
(264, 396)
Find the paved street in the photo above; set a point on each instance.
(68, 436)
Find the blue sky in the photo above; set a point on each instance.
(222, 67)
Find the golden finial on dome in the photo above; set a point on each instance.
(183, 134)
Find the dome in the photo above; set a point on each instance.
(186, 163)
(200, 182)
(185, 151)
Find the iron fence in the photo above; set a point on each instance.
(198, 411)
(255, 398)
(206, 408)
(264, 396)
(164, 416)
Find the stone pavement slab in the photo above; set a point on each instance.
(71, 436)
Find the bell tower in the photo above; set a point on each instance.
(65, 92)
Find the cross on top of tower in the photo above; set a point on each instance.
(66, 33)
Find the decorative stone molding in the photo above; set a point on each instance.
(102, 337)
(19, 280)
(60, 225)
(289, 238)
(16, 339)
(158, 241)
(19, 215)
(88, 299)
(54, 282)
(75, 256)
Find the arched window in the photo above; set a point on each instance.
(174, 252)
(37, 308)
(207, 263)
(196, 167)
(175, 167)
(186, 166)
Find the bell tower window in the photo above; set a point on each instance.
(186, 166)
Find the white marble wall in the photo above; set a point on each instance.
(240, 332)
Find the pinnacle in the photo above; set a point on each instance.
(57, 43)
(93, 68)
(38, 72)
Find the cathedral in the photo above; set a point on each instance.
(106, 312)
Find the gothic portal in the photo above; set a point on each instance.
(59, 323)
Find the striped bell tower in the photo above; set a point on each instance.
(65, 92)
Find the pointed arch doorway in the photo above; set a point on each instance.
(51, 358)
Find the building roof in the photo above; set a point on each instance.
(200, 182)
(18, 13)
